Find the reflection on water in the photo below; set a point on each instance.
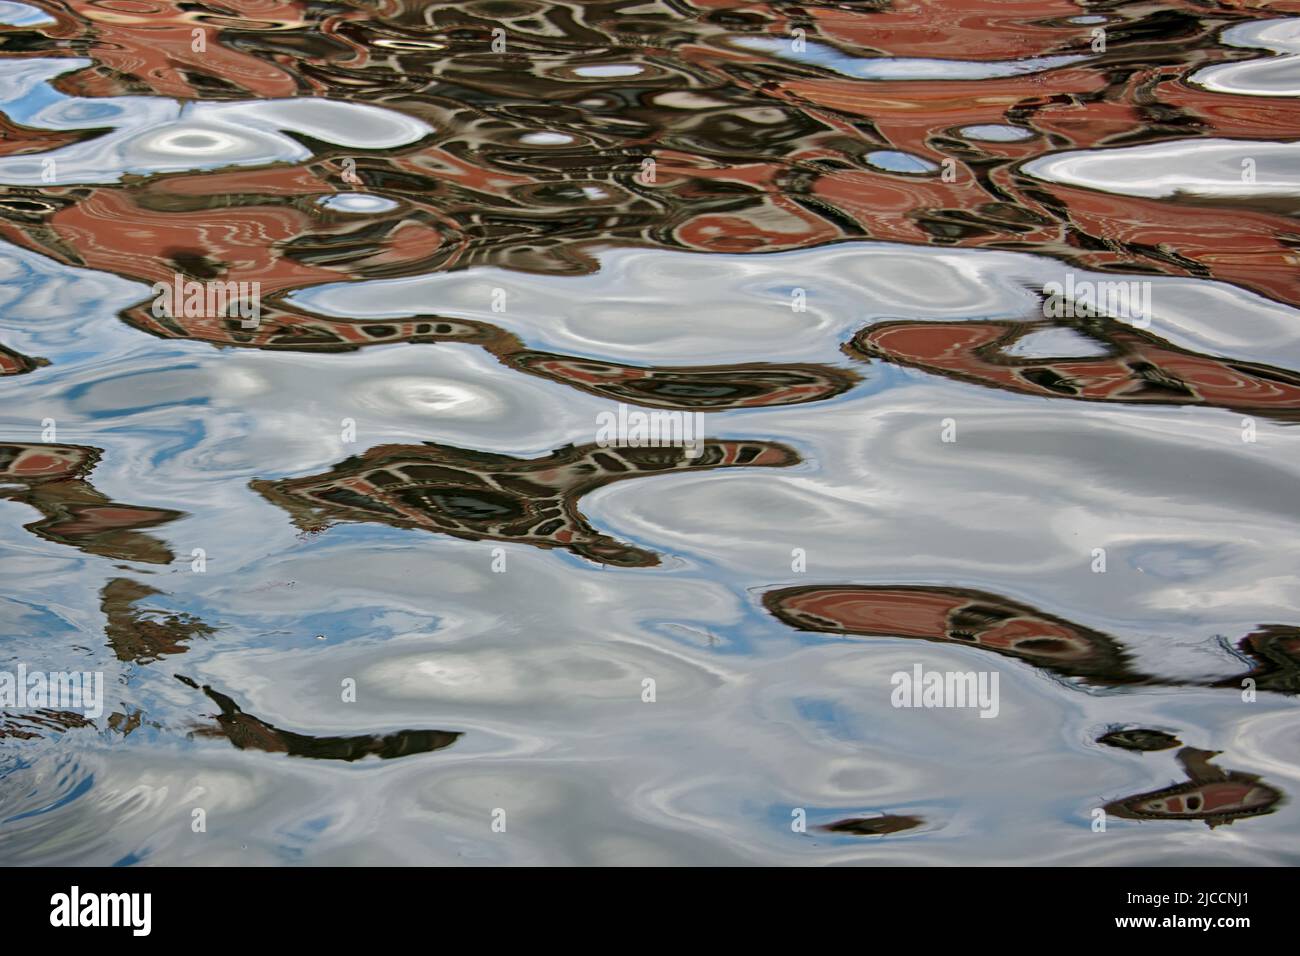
(1134, 366)
(40, 721)
(11, 363)
(248, 733)
(486, 497)
(958, 615)
(1140, 739)
(52, 479)
(712, 388)
(135, 636)
(1210, 794)
(411, 253)
(1274, 652)
(1003, 626)
(874, 826)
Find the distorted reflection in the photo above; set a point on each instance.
(54, 479)
(1140, 739)
(1274, 653)
(1134, 365)
(14, 363)
(1002, 626)
(141, 634)
(43, 722)
(874, 826)
(708, 389)
(1212, 795)
(481, 496)
(959, 616)
(683, 205)
(247, 732)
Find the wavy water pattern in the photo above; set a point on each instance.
(979, 323)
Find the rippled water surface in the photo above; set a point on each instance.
(990, 314)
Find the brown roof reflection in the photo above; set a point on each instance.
(1138, 366)
(756, 149)
(14, 363)
(1002, 626)
(53, 480)
(1211, 795)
